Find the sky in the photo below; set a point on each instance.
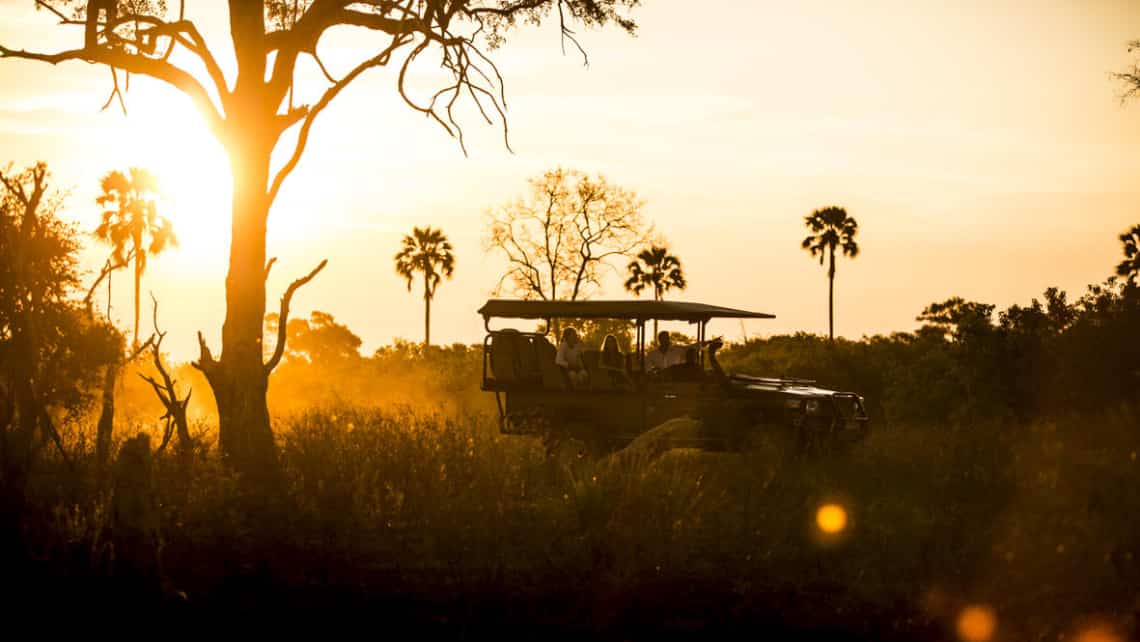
(982, 147)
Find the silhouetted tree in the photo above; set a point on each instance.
(167, 393)
(655, 268)
(134, 229)
(428, 252)
(251, 110)
(320, 339)
(132, 225)
(1129, 268)
(559, 239)
(958, 318)
(831, 228)
(50, 349)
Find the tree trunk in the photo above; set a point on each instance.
(427, 321)
(138, 286)
(185, 442)
(831, 298)
(239, 378)
(656, 297)
(106, 426)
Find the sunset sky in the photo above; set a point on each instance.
(982, 147)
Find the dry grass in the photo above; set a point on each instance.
(1036, 522)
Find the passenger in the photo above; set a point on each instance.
(717, 370)
(665, 355)
(688, 370)
(611, 354)
(612, 362)
(569, 358)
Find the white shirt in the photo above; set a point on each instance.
(656, 360)
(569, 356)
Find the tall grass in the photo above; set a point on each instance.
(1036, 521)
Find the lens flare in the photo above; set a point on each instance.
(1099, 633)
(831, 518)
(976, 624)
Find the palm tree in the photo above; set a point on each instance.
(655, 268)
(1130, 266)
(428, 252)
(831, 228)
(132, 225)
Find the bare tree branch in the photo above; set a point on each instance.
(134, 63)
(108, 267)
(167, 391)
(310, 114)
(206, 361)
(283, 316)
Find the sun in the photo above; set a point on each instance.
(163, 133)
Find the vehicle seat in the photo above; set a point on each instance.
(553, 378)
(528, 363)
(505, 356)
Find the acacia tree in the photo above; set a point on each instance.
(250, 110)
(655, 268)
(132, 225)
(560, 238)
(428, 252)
(831, 228)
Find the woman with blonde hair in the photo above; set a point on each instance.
(612, 361)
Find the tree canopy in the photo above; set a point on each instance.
(655, 268)
(1129, 268)
(561, 238)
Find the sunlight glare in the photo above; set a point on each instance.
(1098, 633)
(165, 134)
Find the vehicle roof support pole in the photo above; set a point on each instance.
(641, 344)
(701, 341)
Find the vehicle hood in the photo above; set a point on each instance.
(786, 387)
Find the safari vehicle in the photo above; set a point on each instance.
(736, 412)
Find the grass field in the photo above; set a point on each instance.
(441, 521)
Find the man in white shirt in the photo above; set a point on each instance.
(665, 355)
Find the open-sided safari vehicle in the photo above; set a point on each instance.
(735, 412)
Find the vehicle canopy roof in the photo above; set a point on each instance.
(632, 309)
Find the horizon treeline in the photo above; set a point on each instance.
(969, 363)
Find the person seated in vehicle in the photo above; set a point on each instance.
(714, 365)
(688, 370)
(569, 358)
(612, 362)
(664, 355)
